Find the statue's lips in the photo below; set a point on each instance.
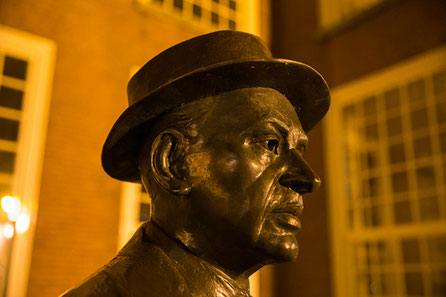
(294, 209)
(287, 216)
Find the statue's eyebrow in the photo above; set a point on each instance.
(297, 139)
(277, 124)
(283, 128)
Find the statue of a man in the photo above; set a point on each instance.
(215, 131)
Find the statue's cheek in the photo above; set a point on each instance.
(227, 163)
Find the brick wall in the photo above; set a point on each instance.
(98, 42)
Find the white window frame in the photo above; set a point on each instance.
(40, 54)
(421, 66)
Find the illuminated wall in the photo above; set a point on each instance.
(98, 42)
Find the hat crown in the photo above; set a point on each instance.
(192, 55)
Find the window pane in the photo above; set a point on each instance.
(422, 147)
(399, 182)
(441, 112)
(402, 212)
(370, 106)
(419, 119)
(438, 283)
(437, 249)
(197, 11)
(396, 153)
(11, 98)
(414, 284)
(178, 4)
(376, 214)
(388, 284)
(429, 208)
(232, 5)
(425, 177)
(391, 99)
(411, 250)
(371, 131)
(232, 25)
(394, 126)
(384, 253)
(348, 113)
(439, 82)
(15, 67)
(9, 129)
(374, 187)
(7, 162)
(416, 91)
(214, 18)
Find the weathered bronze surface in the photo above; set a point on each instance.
(216, 131)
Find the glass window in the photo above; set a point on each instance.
(24, 100)
(11, 98)
(209, 14)
(9, 129)
(15, 67)
(393, 175)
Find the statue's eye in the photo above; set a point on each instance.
(268, 142)
(273, 145)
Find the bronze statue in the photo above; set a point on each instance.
(216, 131)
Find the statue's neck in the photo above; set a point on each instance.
(233, 255)
(201, 274)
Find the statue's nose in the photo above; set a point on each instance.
(299, 176)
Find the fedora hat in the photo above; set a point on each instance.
(200, 67)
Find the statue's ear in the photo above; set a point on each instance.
(166, 157)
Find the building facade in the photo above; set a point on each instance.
(376, 226)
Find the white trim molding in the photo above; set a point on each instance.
(40, 54)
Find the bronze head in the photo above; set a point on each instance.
(216, 131)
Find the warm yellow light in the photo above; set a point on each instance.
(12, 216)
(22, 223)
(8, 230)
(11, 205)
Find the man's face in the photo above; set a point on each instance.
(248, 174)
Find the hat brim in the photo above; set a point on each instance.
(303, 86)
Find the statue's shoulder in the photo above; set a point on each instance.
(141, 268)
(98, 284)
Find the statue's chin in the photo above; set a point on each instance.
(279, 248)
